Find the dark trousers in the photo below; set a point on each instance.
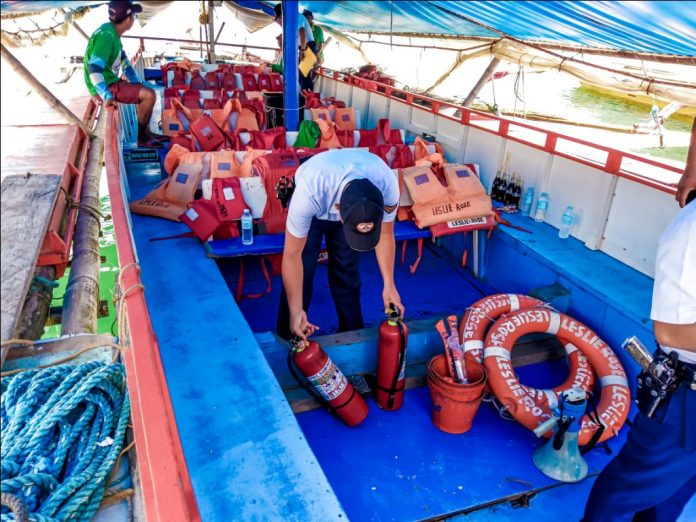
(344, 277)
(654, 475)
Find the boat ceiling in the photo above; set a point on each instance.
(646, 27)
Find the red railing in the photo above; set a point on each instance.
(57, 243)
(612, 162)
(166, 486)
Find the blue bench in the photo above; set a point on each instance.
(269, 244)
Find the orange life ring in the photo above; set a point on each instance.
(480, 315)
(532, 407)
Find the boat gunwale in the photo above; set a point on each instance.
(166, 485)
(612, 165)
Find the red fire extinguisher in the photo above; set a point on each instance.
(391, 362)
(326, 382)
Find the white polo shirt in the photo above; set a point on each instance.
(320, 181)
(674, 293)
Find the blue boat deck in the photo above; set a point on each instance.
(250, 457)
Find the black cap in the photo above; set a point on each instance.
(278, 10)
(119, 10)
(362, 210)
(308, 13)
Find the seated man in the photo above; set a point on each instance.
(104, 60)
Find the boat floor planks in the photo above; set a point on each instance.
(398, 466)
(244, 451)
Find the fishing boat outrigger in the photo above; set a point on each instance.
(231, 422)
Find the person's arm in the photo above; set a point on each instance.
(303, 38)
(687, 183)
(386, 253)
(682, 336)
(128, 70)
(97, 65)
(300, 214)
(293, 279)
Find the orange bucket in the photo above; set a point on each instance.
(454, 404)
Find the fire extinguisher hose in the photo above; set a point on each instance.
(402, 355)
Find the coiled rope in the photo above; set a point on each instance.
(62, 432)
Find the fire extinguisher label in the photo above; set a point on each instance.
(329, 381)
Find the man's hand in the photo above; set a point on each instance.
(686, 184)
(391, 296)
(110, 102)
(301, 327)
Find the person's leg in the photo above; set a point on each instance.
(652, 468)
(344, 279)
(309, 263)
(670, 509)
(146, 104)
(306, 81)
(144, 98)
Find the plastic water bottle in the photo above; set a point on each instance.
(527, 201)
(566, 222)
(247, 228)
(542, 205)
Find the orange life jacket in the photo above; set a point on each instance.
(229, 80)
(208, 134)
(276, 82)
(462, 197)
(422, 154)
(191, 99)
(234, 116)
(249, 82)
(224, 164)
(271, 168)
(395, 156)
(270, 139)
(345, 118)
(172, 123)
(182, 140)
(201, 218)
(320, 113)
(346, 138)
(328, 139)
(197, 81)
(246, 169)
(212, 103)
(228, 199)
(263, 82)
(169, 199)
(212, 81)
(173, 158)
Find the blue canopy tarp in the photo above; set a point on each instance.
(649, 26)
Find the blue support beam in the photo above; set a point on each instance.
(291, 97)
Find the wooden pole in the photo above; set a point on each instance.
(487, 74)
(211, 31)
(81, 301)
(79, 30)
(47, 95)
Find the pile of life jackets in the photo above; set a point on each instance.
(228, 77)
(369, 76)
(213, 129)
(446, 197)
(227, 182)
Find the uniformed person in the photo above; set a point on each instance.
(654, 475)
(349, 197)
